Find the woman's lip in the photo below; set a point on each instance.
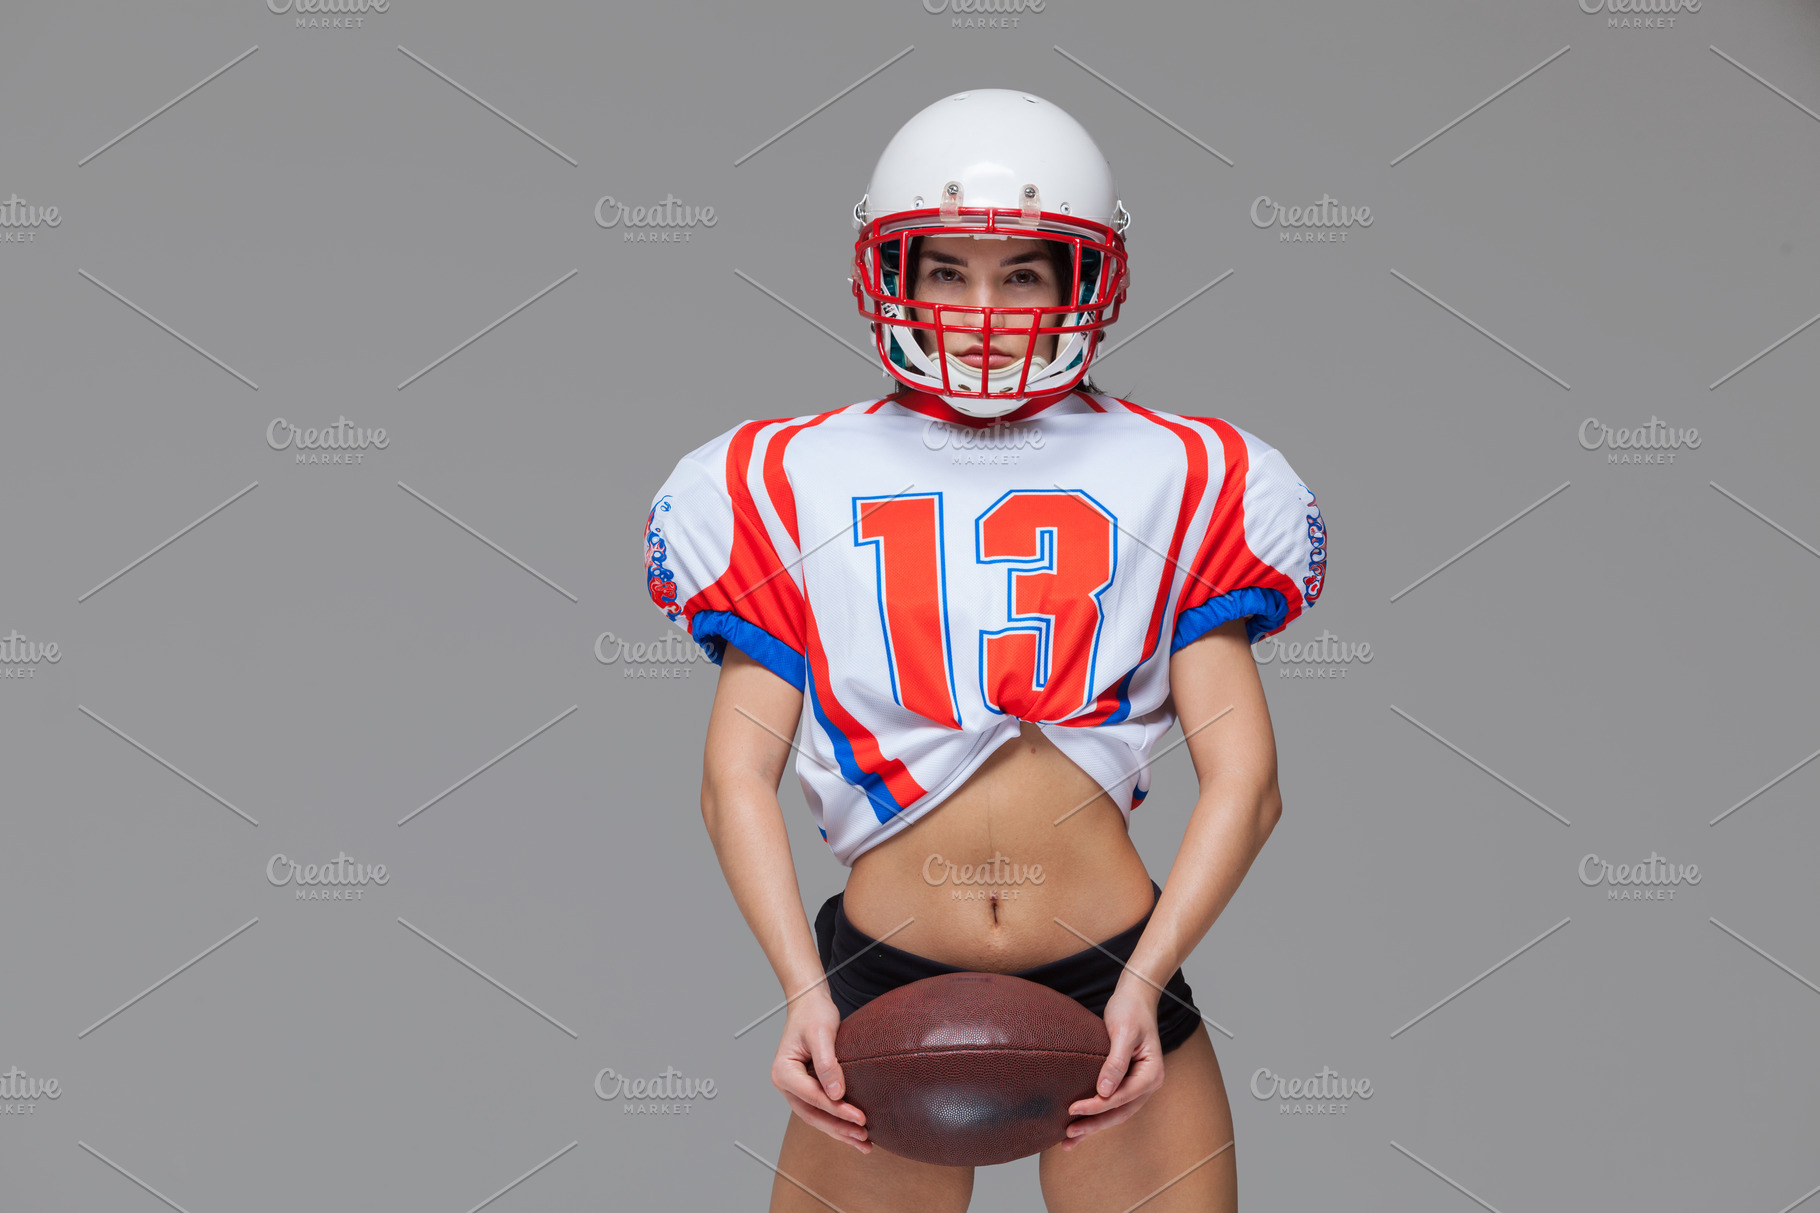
(998, 360)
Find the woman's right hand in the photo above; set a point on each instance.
(809, 1077)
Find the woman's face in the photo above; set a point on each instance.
(1007, 272)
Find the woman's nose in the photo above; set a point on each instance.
(987, 295)
(982, 294)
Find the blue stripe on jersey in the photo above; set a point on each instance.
(1262, 609)
(884, 805)
(714, 630)
(1124, 708)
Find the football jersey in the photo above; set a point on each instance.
(928, 580)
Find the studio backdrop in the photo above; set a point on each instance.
(350, 845)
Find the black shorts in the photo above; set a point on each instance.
(1089, 976)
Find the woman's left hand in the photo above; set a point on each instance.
(1134, 1068)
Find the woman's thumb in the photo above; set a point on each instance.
(827, 1067)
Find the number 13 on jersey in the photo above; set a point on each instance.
(1059, 549)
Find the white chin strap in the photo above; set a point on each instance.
(1002, 379)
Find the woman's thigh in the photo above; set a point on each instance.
(1182, 1134)
(861, 1183)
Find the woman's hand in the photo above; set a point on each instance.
(808, 1075)
(1133, 1070)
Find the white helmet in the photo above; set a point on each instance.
(994, 163)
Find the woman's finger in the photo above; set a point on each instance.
(827, 1067)
(1118, 1061)
(1144, 1075)
(793, 1080)
(1088, 1126)
(833, 1126)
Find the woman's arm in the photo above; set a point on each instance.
(754, 712)
(754, 718)
(1235, 760)
(1219, 700)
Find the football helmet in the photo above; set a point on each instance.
(993, 164)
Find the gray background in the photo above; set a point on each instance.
(328, 653)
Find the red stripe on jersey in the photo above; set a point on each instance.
(866, 753)
(756, 586)
(1225, 561)
(777, 484)
(1194, 487)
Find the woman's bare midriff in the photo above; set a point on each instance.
(990, 882)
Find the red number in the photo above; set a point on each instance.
(1041, 665)
(906, 538)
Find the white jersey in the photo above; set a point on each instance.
(929, 580)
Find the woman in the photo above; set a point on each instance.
(991, 631)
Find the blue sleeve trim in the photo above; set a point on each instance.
(1263, 611)
(714, 630)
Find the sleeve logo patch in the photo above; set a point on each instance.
(1317, 556)
(658, 578)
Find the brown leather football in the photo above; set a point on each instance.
(970, 1069)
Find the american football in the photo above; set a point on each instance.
(970, 1069)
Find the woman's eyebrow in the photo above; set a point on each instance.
(951, 259)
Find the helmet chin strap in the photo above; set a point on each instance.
(973, 406)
